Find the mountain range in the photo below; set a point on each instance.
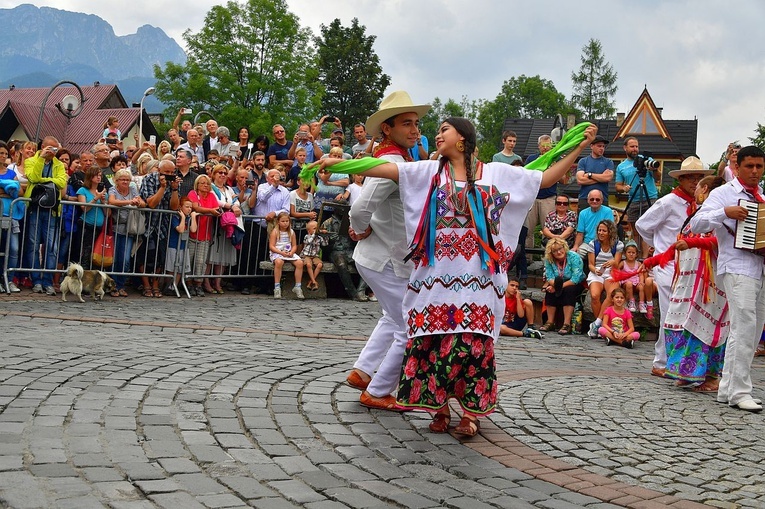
(43, 45)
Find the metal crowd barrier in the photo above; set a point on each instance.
(71, 234)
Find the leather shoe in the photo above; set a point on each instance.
(749, 405)
(756, 400)
(385, 403)
(657, 372)
(356, 381)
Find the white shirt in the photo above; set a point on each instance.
(271, 199)
(712, 216)
(661, 223)
(354, 190)
(379, 205)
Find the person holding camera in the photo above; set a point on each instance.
(159, 190)
(594, 172)
(628, 178)
(727, 168)
(316, 129)
(305, 140)
(41, 224)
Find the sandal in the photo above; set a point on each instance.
(565, 330)
(760, 350)
(547, 327)
(123, 293)
(468, 427)
(147, 292)
(440, 422)
(708, 386)
(115, 293)
(156, 293)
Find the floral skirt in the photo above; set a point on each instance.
(442, 366)
(691, 360)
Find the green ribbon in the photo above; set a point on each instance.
(570, 140)
(350, 167)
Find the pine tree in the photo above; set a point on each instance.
(594, 84)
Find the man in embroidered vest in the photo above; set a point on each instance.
(658, 227)
(740, 273)
(377, 222)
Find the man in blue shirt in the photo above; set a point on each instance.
(589, 218)
(594, 172)
(627, 181)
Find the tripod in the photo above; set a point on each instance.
(641, 188)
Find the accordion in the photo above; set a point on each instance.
(750, 233)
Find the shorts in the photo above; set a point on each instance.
(174, 265)
(594, 278)
(518, 323)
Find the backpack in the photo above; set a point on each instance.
(597, 248)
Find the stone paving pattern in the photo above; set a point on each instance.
(229, 401)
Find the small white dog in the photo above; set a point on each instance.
(95, 282)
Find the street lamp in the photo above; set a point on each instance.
(202, 112)
(70, 106)
(149, 91)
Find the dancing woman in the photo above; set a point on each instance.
(462, 242)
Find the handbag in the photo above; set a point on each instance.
(103, 248)
(136, 222)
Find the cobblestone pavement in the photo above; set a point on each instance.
(239, 402)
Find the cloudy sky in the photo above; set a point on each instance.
(700, 59)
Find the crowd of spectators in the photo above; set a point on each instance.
(236, 187)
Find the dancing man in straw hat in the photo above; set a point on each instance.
(377, 221)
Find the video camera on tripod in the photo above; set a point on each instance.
(643, 162)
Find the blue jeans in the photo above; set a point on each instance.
(123, 246)
(41, 229)
(12, 246)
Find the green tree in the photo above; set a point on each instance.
(521, 97)
(759, 136)
(439, 111)
(350, 72)
(594, 84)
(250, 64)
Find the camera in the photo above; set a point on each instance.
(330, 118)
(101, 186)
(249, 183)
(643, 163)
(169, 178)
(111, 141)
(302, 135)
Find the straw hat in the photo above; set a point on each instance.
(691, 166)
(396, 103)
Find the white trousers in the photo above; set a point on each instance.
(663, 279)
(746, 308)
(385, 347)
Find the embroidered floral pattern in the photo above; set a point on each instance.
(446, 317)
(441, 366)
